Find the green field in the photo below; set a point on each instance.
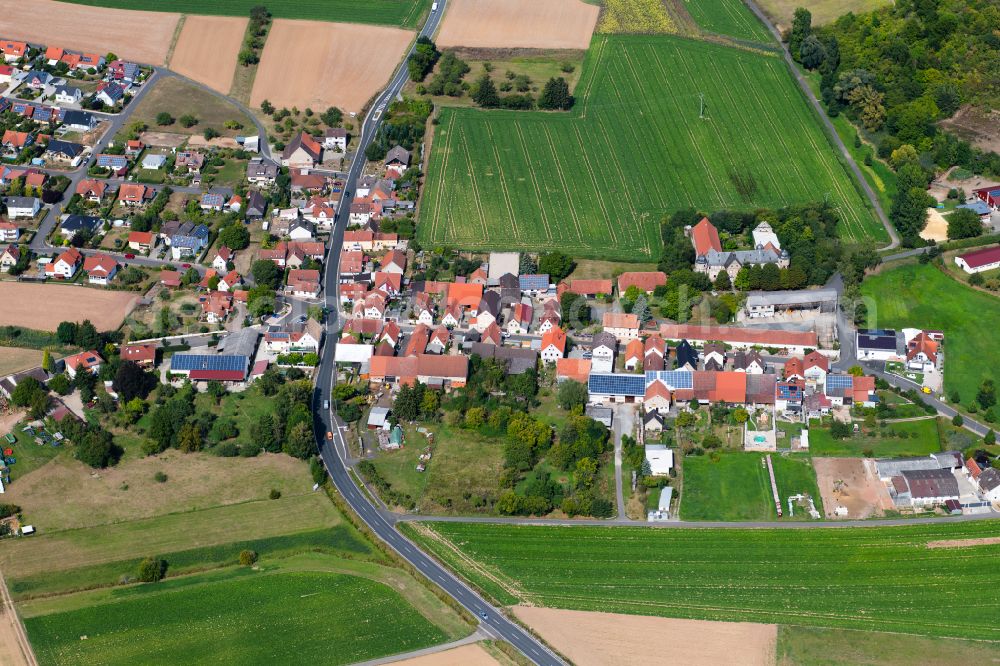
(920, 438)
(871, 578)
(596, 181)
(727, 17)
(403, 13)
(239, 616)
(814, 646)
(921, 296)
(737, 487)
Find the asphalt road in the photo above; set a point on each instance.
(830, 130)
(334, 452)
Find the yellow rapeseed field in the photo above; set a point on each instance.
(635, 16)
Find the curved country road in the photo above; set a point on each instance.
(830, 129)
(334, 451)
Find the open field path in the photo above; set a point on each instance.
(471, 639)
(830, 130)
(15, 648)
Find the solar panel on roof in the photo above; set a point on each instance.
(617, 384)
(674, 379)
(208, 362)
(839, 382)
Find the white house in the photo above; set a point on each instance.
(101, 269)
(660, 459)
(9, 232)
(23, 207)
(603, 349)
(68, 95)
(623, 326)
(553, 345)
(65, 265)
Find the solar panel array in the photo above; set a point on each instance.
(839, 382)
(188, 362)
(674, 379)
(617, 384)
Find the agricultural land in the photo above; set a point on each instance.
(925, 294)
(337, 64)
(14, 359)
(86, 28)
(402, 13)
(769, 576)
(542, 181)
(207, 48)
(556, 24)
(823, 11)
(909, 438)
(727, 17)
(32, 305)
(289, 602)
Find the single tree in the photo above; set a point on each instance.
(485, 94)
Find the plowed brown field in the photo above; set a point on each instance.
(531, 24)
(317, 64)
(207, 48)
(141, 36)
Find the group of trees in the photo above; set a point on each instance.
(555, 95)
(422, 61)
(403, 124)
(896, 72)
(253, 43)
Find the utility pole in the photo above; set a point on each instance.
(701, 112)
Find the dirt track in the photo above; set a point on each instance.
(964, 543)
(937, 226)
(538, 24)
(134, 35)
(466, 655)
(317, 64)
(207, 48)
(610, 639)
(43, 306)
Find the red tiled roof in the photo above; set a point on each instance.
(922, 343)
(590, 287)
(634, 349)
(576, 369)
(620, 320)
(705, 237)
(138, 353)
(554, 336)
(793, 367)
(734, 334)
(645, 280)
(465, 294)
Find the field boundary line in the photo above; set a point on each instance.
(602, 42)
(173, 40)
(20, 633)
(436, 213)
(503, 581)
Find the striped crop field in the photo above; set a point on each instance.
(930, 579)
(402, 13)
(596, 181)
(727, 17)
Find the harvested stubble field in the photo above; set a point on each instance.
(207, 48)
(553, 24)
(823, 11)
(404, 13)
(143, 36)
(869, 578)
(337, 64)
(16, 359)
(42, 306)
(727, 17)
(570, 181)
(599, 639)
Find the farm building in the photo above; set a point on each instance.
(767, 303)
(606, 387)
(990, 196)
(796, 342)
(979, 261)
(980, 208)
(923, 487)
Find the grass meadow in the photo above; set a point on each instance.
(279, 615)
(737, 487)
(727, 17)
(910, 438)
(869, 578)
(595, 182)
(402, 13)
(922, 296)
